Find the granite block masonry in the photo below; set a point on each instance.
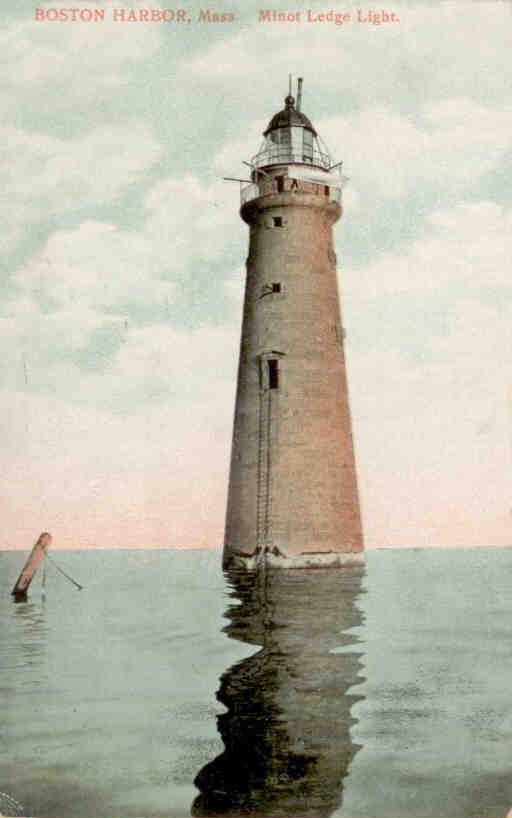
(293, 497)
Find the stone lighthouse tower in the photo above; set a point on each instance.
(293, 498)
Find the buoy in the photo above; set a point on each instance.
(32, 564)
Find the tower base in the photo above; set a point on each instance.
(272, 557)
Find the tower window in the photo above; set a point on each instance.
(278, 221)
(280, 183)
(273, 374)
(268, 289)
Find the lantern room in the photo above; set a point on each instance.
(291, 138)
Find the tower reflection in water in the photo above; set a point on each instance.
(287, 728)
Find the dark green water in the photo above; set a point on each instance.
(371, 694)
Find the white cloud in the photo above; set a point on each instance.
(99, 266)
(436, 51)
(89, 315)
(468, 246)
(433, 442)
(194, 220)
(434, 439)
(193, 367)
(186, 225)
(424, 105)
(63, 147)
(59, 67)
(420, 105)
(46, 177)
(448, 144)
(229, 159)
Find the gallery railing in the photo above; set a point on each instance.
(284, 154)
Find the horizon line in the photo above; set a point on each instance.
(219, 548)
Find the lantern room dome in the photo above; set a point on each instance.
(291, 139)
(289, 117)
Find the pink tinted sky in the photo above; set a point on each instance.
(120, 318)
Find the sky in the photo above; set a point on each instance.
(123, 265)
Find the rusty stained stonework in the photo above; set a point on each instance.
(293, 493)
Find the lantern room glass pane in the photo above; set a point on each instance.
(308, 146)
(296, 134)
(291, 144)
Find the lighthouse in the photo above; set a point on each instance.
(293, 498)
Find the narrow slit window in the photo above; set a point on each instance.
(276, 287)
(280, 183)
(278, 221)
(273, 374)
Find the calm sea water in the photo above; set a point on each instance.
(376, 693)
